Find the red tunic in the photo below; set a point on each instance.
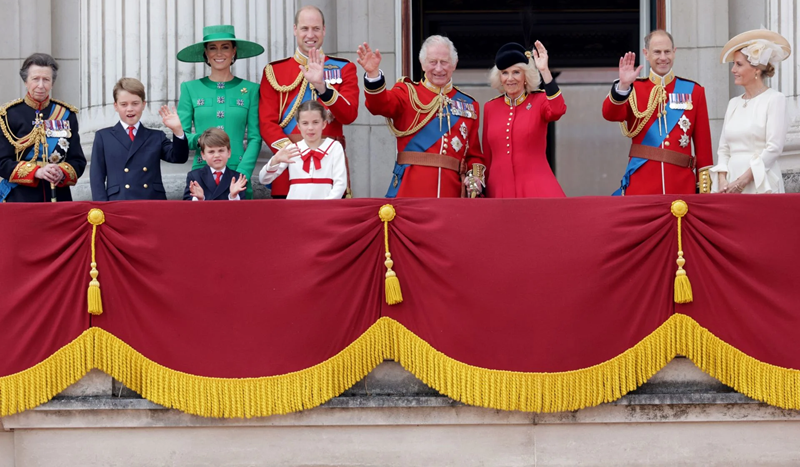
(676, 180)
(515, 141)
(461, 142)
(273, 103)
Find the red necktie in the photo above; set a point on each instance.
(130, 132)
(314, 155)
(217, 176)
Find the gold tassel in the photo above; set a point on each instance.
(683, 288)
(393, 293)
(96, 217)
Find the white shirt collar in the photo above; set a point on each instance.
(135, 127)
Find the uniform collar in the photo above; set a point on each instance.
(662, 80)
(36, 105)
(436, 89)
(303, 59)
(519, 100)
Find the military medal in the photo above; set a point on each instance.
(684, 125)
(57, 129)
(333, 74)
(456, 143)
(678, 101)
(464, 130)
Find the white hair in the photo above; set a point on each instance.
(438, 40)
(532, 78)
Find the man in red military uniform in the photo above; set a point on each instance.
(664, 116)
(436, 125)
(309, 74)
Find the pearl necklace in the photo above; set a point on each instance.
(746, 100)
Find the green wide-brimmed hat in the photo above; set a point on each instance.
(223, 32)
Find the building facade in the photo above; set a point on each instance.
(97, 41)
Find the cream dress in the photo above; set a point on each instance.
(752, 138)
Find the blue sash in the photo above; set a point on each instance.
(653, 137)
(52, 143)
(429, 135)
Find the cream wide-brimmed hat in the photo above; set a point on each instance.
(760, 46)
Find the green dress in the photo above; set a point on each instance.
(231, 106)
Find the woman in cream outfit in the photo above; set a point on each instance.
(755, 124)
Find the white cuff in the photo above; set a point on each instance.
(376, 79)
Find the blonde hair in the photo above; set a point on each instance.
(214, 138)
(532, 78)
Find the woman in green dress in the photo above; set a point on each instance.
(222, 100)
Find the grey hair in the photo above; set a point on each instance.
(532, 78)
(433, 40)
(654, 33)
(38, 59)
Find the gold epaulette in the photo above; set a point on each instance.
(281, 60)
(338, 58)
(689, 80)
(9, 104)
(464, 93)
(72, 108)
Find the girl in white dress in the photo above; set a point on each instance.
(754, 130)
(316, 165)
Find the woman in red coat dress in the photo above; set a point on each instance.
(515, 125)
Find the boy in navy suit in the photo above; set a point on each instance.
(214, 181)
(126, 158)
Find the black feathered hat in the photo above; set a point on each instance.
(509, 55)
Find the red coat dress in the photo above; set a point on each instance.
(280, 86)
(650, 178)
(458, 137)
(514, 143)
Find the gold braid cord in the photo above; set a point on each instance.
(299, 81)
(37, 136)
(657, 98)
(419, 108)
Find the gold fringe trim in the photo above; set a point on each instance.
(535, 392)
(761, 381)
(43, 381)
(246, 397)
(388, 339)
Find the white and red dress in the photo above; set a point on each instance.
(316, 174)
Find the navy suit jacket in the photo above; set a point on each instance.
(122, 169)
(211, 191)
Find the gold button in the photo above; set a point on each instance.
(666, 143)
(145, 185)
(127, 187)
(127, 170)
(145, 169)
